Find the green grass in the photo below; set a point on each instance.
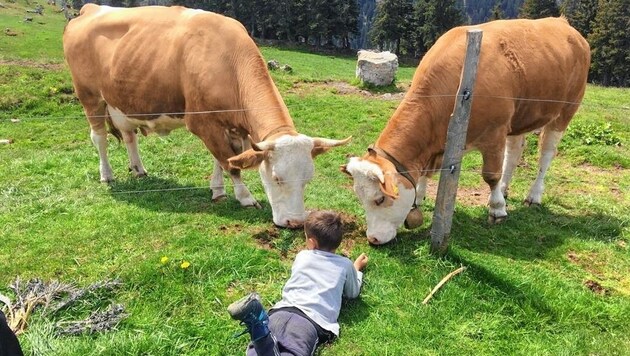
(524, 291)
(38, 39)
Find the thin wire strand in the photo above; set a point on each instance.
(293, 106)
(423, 172)
(182, 113)
(228, 185)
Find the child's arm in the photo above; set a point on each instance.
(361, 262)
(354, 279)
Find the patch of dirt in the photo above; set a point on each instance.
(465, 196)
(32, 64)
(594, 173)
(231, 228)
(270, 238)
(352, 233)
(265, 238)
(590, 262)
(343, 88)
(595, 287)
(597, 268)
(573, 257)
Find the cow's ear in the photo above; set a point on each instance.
(344, 169)
(247, 160)
(388, 186)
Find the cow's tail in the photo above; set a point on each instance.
(111, 127)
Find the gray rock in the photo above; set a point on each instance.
(273, 64)
(377, 68)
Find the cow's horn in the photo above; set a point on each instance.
(263, 145)
(328, 142)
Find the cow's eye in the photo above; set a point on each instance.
(379, 201)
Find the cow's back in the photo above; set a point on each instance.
(130, 55)
(527, 69)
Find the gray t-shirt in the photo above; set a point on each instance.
(318, 281)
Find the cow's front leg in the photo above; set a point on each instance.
(548, 142)
(135, 163)
(492, 162)
(241, 192)
(216, 183)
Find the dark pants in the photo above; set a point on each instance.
(9, 345)
(291, 334)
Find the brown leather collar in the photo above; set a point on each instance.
(399, 168)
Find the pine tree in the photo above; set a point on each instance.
(439, 17)
(391, 24)
(537, 9)
(346, 22)
(581, 14)
(497, 14)
(413, 44)
(610, 44)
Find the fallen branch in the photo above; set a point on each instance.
(29, 296)
(444, 280)
(99, 321)
(52, 297)
(75, 295)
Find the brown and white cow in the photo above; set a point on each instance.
(531, 75)
(159, 68)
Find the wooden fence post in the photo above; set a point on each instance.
(455, 145)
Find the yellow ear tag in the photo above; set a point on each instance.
(396, 189)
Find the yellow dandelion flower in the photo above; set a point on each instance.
(164, 260)
(185, 265)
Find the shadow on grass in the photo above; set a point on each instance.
(528, 234)
(531, 233)
(158, 194)
(523, 295)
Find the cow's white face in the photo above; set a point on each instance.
(284, 173)
(386, 199)
(285, 165)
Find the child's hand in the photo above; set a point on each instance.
(361, 262)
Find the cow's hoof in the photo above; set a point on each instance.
(531, 204)
(138, 173)
(107, 180)
(255, 205)
(494, 220)
(219, 198)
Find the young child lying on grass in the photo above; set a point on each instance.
(306, 316)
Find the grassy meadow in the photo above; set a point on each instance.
(553, 280)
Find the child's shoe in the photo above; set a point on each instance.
(250, 312)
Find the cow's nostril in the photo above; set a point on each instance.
(373, 240)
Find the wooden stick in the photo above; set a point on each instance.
(444, 280)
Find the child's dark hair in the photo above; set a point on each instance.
(326, 228)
